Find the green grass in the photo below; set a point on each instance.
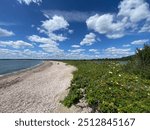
(108, 87)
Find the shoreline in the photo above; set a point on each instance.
(22, 70)
(37, 90)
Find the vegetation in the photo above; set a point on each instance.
(140, 64)
(108, 86)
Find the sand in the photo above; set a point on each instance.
(37, 90)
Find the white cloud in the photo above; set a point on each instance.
(22, 54)
(118, 51)
(55, 24)
(105, 24)
(89, 39)
(75, 46)
(38, 39)
(27, 2)
(140, 42)
(76, 16)
(145, 28)
(47, 44)
(94, 51)
(51, 48)
(127, 20)
(5, 33)
(49, 27)
(58, 37)
(71, 31)
(15, 44)
(135, 10)
(76, 51)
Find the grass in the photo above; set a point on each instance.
(108, 87)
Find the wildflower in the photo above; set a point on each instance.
(136, 80)
(119, 75)
(110, 72)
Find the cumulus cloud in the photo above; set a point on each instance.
(105, 24)
(128, 19)
(49, 27)
(5, 33)
(38, 39)
(47, 44)
(89, 39)
(54, 24)
(134, 10)
(57, 37)
(140, 42)
(15, 44)
(28, 2)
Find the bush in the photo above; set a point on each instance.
(140, 64)
(143, 56)
(108, 88)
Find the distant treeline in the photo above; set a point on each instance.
(117, 59)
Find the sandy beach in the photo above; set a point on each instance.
(38, 90)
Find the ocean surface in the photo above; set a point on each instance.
(9, 66)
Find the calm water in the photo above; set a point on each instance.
(9, 66)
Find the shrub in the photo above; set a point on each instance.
(108, 88)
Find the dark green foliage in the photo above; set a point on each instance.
(143, 56)
(140, 64)
(107, 87)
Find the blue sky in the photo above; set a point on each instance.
(73, 29)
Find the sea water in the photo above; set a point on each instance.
(9, 66)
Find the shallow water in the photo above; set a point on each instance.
(9, 66)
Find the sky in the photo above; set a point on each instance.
(73, 29)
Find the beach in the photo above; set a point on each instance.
(37, 90)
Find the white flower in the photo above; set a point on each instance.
(110, 72)
(119, 75)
